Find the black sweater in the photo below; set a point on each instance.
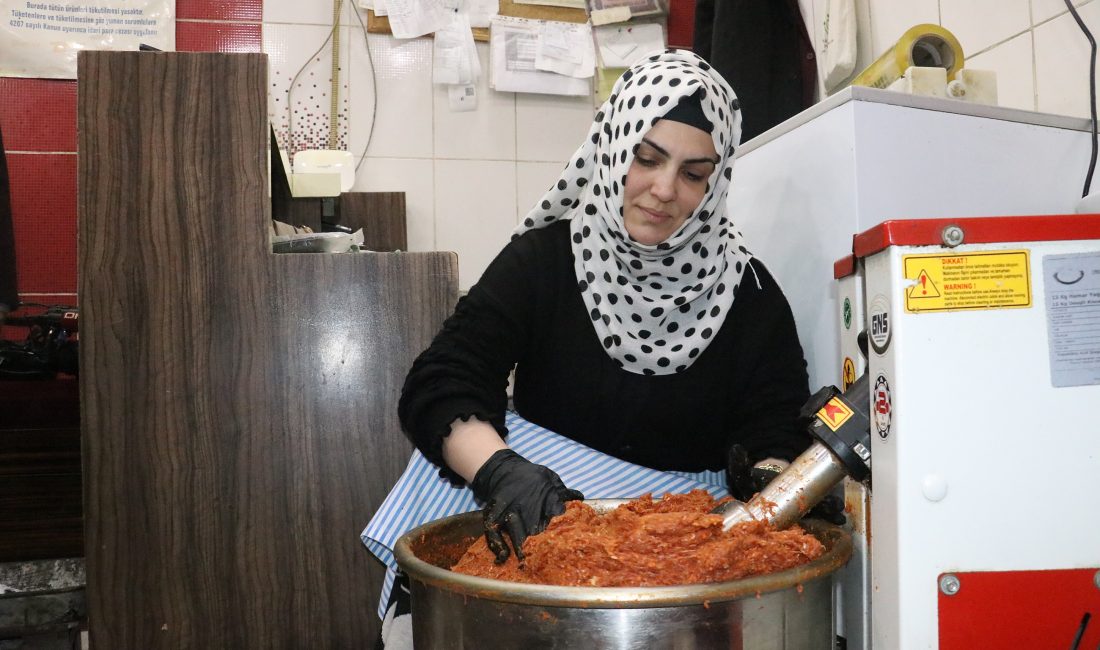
(527, 311)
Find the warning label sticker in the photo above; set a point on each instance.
(849, 373)
(981, 280)
(834, 413)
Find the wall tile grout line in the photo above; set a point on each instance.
(1034, 58)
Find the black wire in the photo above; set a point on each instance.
(1081, 631)
(1092, 92)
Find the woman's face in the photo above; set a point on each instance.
(667, 180)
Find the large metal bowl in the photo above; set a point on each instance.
(790, 610)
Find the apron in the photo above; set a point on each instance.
(421, 495)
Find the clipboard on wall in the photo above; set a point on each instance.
(381, 24)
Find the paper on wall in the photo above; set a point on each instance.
(621, 46)
(380, 8)
(513, 51)
(608, 16)
(41, 39)
(566, 48)
(569, 4)
(412, 18)
(366, 4)
(454, 55)
(482, 12)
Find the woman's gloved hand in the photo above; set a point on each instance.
(746, 480)
(738, 476)
(520, 499)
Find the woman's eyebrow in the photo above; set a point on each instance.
(664, 152)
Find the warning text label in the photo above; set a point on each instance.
(979, 280)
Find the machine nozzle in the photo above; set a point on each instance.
(841, 428)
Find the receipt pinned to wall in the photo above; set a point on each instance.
(412, 18)
(481, 12)
(621, 46)
(566, 48)
(454, 55)
(513, 55)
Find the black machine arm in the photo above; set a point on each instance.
(842, 423)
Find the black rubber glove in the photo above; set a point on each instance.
(830, 509)
(520, 499)
(745, 481)
(742, 486)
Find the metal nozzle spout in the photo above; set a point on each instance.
(791, 494)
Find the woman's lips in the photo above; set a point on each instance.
(656, 215)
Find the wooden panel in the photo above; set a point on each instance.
(41, 516)
(381, 215)
(40, 483)
(239, 407)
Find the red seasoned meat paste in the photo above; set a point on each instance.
(646, 543)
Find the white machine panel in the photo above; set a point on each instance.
(854, 578)
(980, 462)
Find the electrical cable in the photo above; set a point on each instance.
(374, 90)
(1081, 631)
(1092, 92)
(290, 91)
(334, 81)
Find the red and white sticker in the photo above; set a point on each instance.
(881, 406)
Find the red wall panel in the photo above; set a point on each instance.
(38, 114)
(681, 23)
(220, 9)
(218, 37)
(43, 205)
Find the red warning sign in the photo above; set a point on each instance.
(924, 288)
(834, 413)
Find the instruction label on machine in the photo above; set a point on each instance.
(993, 280)
(1072, 288)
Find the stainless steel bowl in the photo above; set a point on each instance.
(791, 610)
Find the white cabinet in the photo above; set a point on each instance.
(802, 190)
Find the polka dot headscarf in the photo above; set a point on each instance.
(655, 307)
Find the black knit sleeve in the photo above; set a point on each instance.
(768, 417)
(464, 372)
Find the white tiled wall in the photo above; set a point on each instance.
(1035, 46)
(468, 176)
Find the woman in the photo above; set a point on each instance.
(637, 321)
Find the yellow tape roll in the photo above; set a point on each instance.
(927, 46)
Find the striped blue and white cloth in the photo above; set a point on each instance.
(420, 495)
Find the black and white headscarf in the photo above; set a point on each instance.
(655, 308)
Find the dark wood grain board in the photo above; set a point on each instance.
(40, 482)
(381, 215)
(239, 407)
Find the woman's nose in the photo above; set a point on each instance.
(664, 186)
